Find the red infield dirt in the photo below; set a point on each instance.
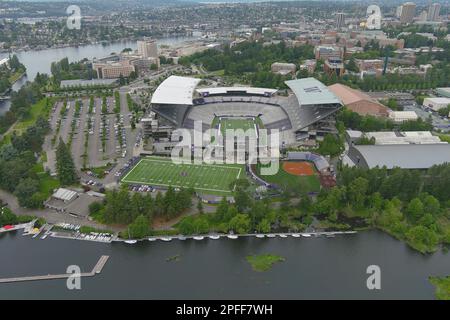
(298, 168)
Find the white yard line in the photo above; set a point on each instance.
(176, 186)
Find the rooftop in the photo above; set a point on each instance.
(310, 91)
(64, 194)
(175, 90)
(406, 156)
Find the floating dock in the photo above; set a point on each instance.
(96, 270)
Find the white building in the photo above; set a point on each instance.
(402, 116)
(340, 20)
(436, 103)
(4, 61)
(433, 12)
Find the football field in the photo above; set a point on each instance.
(236, 123)
(155, 171)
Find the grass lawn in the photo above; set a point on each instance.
(263, 262)
(47, 183)
(211, 179)
(284, 179)
(445, 137)
(16, 76)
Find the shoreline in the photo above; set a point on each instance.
(106, 43)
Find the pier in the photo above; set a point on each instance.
(96, 270)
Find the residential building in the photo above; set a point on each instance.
(147, 48)
(408, 12)
(113, 69)
(334, 66)
(340, 20)
(433, 12)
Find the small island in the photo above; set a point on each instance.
(442, 285)
(263, 262)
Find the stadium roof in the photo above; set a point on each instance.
(248, 90)
(310, 91)
(175, 90)
(408, 156)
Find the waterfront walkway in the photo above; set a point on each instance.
(96, 270)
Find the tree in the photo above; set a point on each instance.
(25, 191)
(415, 209)
(139, 228)
(331, 146)
(200, 206)
(65, 166)
(357, 191)
(264, 226)
(186, 226)
(242, 200)
(352, 66)
(240, 224)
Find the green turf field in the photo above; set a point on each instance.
(214, 179)
(236, 123)
(286, 180)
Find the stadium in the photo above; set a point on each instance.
(305, 114)
(302, 114)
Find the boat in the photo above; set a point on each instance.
(130, 241)
(270, 235)
(260, 236)
(282, 235)
(152, 239)
(166, 239)
(331, 235)
(198, 238)
(182, 238)
(214, 237)
(306, 235)
(232, 236)
(295, 235)
(45, 236)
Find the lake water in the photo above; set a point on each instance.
(322, 268)
(41, 60)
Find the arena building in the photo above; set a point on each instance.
(306, 113)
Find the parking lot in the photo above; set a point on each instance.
(424, 113)
(97, 135)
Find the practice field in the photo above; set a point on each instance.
(214, 179)
(294, 175)
(236, 123)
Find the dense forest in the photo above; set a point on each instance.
(18, 165)
(252, 60)
(63, 70)
(411, 205)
